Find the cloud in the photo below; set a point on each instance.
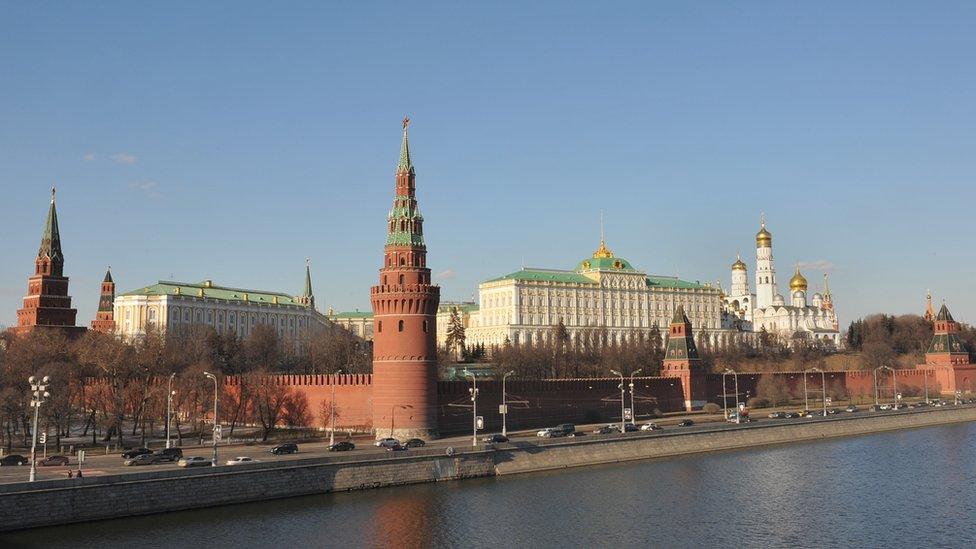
(147, 187)
(818, 265)
(446, 275)
(89, 157)
(125, 158)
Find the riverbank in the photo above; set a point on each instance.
(45, 503)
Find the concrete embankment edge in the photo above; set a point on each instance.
(94, 498)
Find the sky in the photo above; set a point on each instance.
(231, 140)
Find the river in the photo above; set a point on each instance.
(905, 488)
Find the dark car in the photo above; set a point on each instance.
(13, 459)
(169, 454)
(495, 438)
(135, 452)
(686, 423)
(606, 430)
(286, 448)
(396, 448)
(142, 459)
(343, 446)
(414, 443)
(54, 460)
(631, 428)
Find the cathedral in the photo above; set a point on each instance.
(767, 310)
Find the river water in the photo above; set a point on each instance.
(902, 489)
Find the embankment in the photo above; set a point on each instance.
(24, 505)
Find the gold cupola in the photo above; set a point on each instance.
(764, 238)
(738, 265)
(798, 282)
(602, 251)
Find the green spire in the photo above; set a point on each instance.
(405, 165)
(308, 279)
(51, 239)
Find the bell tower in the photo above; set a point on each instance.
(681, 360)
(105, 317)
(404, 319)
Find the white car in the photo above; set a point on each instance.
(650, 427)
(242, 460)
(387, 442)
(545, 433)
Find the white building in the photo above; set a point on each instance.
(767, 309)
(603, 293)
(168, 306)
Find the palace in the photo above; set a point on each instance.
(603, 294)
(766, 310)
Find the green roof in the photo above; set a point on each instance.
(463, 307)
(353, 314)
(605, 264)
(675, 282)
(540, 275)
(212, 291)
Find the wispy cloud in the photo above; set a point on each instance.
(149, 188)
(818, 265)
(125, 158)
(446, 275)
(89, 157)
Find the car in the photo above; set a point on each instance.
(575, 434)
(136, 452)
(396, 448)
(13, 459)
(415, 443)
(650, 427)
(343, 446)
(495, 438)
(169, 454)
(792, 415)
(551, 432)
(606, 430)
(685, 423)
(54, 460)
(141, 459)
(286, 448)
(386, 442)
(851, 409)
(778, 415)
(631, 428)
(194, 461)
(885, 407)
(833, 411)
(566, 428)
(242, 460)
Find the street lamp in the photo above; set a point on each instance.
(735, 377)
(39, 392)
(216, 427)
(622, 403)
(333, 411)
(169, 402)
(474, 407)
(823, 385)
(633, 407)
(504, 407)
(893, 381)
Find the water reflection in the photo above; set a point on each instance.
(902, 488)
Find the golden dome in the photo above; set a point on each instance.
(602, 251)
(738, 265)
(798, 282)
(764, 238)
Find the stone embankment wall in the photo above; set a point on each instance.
(46, 503)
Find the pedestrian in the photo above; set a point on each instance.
(69, 474)
(79, 473)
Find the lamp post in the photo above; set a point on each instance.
(504, 409)
(633, 405)
(623, 428)
(806, 398)
(473, 391)
(39, 393)
(216, 426)
(169, 403)
(823, 385)
(893, 381)
(333, 411)
(925, 379)
(725, 392)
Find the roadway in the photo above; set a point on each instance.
(97, 465)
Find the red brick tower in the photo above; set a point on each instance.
(47, 303)
(404, 320)
(105, 317)
(948, 358)
(681, 360)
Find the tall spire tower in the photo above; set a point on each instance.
(105, 317)
(47, 303)
(404, 316)
(307, 298)
(765, 271)
(681, 360)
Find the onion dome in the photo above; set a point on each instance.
(798, 282)
(764, 238)
(738, 265)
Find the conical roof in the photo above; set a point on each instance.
(405, 165)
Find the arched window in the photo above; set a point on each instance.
(401, 279)
(379, 326)
(425, 326)
(403, 261)
(400, 326)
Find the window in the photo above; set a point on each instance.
(400, 326)
(401, 279)
(425, 326)
(379, 326)
(403, 261)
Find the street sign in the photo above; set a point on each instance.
(480, 422)
(829, 400)
(628, 413)
(81, 456)
(503, 409)
(898, 396)
(217, 432)
(43, 438)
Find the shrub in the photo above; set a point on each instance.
(758, 402)
(711, 408)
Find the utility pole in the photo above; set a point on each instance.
(216, 427)
(333, 411)
(474, 407)
(504, 406)
(169, 404)
(39, 392)
(633, 407)
(623, 428)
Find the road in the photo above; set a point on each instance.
(96, 465)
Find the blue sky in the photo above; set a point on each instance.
(230, 141)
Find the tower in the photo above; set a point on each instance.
(307, 298)
(798, 289)
(947, 358)
(105, 317)
(765, 271)
(740, 278)
(47, 303)
(929, 311)
(681, 360)
(404, 319)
